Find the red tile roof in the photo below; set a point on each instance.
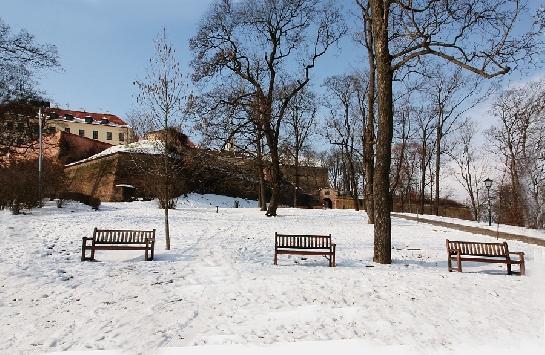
(97, 117)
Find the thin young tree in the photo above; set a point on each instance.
(160, 94)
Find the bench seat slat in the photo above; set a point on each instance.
(119, 247)
(302, 252)
(301, 247)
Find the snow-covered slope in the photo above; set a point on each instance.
(218, 286)
(195, 200)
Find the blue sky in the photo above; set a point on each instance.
(104, 45)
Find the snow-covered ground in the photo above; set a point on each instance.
(534, 233)
(217, 290)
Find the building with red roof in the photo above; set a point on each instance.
(103, 127)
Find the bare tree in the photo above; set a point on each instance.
(366, 38)
(299, 125)
(255, 41)
(520, 138)
(471, 171)
(451, 95)
(344, 128)
(334, 163)
(223, 115)
(477, 35)
(160, 96)
(142, 122)
(20, 58)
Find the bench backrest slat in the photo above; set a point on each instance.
(302, 241)
(117, 236)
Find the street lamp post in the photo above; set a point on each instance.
(488, 184)
(40, 104)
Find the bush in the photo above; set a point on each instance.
(19, 186)
(94, 202)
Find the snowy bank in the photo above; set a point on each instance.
(534, 233)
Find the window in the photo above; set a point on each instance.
(67, 129)
(109, 136)
(121, 137)
(81, 133)
(95, 134)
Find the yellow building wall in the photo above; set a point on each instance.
(102, 130)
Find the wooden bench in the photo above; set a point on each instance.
(115, 239)
(484, 253)
(304, 245)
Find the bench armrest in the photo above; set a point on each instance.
(519, 253)
(84, 240)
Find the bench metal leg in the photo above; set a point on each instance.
(83, 249)
(275, 258)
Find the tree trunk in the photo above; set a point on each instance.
(167, 192)
(381, 181)
(261, 192)
(272, 142)
(296, 179)
(423, 173)
(369, 134)
(438, 165)
(355, 191)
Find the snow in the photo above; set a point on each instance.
(217, 291)
(534, 233)
(210, 200)
(154, 147)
